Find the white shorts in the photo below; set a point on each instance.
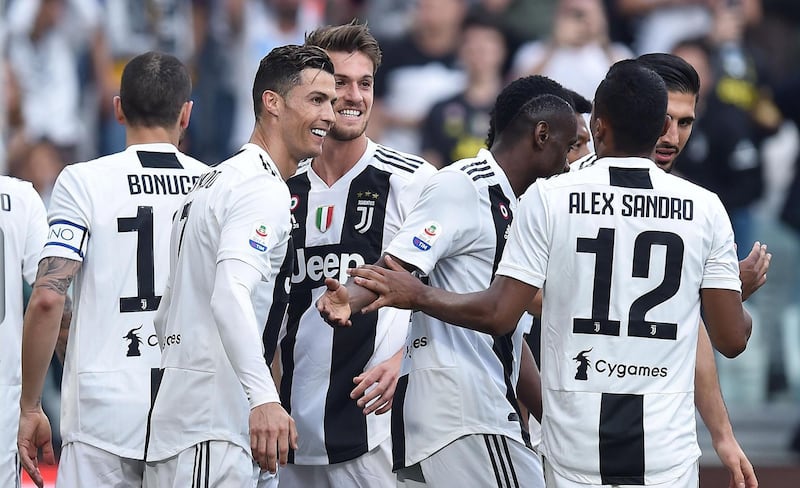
(371, 470)
(689, 479)
(206, 465)
(485, 460)
(9, 468)
(82, 464)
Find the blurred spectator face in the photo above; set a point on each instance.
(483, 48)
(580, 22)
(50, 12)
(581, 146)
(41, 167)
(355, 89)
(438, 14)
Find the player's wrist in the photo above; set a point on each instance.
(263, 398)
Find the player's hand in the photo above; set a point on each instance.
(732, 456)
(375, 387)
(394, 286)
(272, 434)
(334, 304)
(34, 433)
(753, 269)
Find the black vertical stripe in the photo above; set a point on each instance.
(280, 302)
(156, 374)
(622, 439)
(630, 177)
(345, 424)
(493, 460)
(208, 464)
(510, 461)
(196, 467)
(502, 461)
(398, 424)
(164, 160)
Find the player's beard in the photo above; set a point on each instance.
(343, 134)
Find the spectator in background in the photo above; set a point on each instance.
(660, 25)
(46, 40)
(419, 69)
(40, 164)
(258, 26)
(578, 52)
(456, 128)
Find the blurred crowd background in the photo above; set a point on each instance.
(444, 61)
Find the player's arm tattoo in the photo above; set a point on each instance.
(56, 274)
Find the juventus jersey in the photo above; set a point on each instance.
(114, 215)
(456, 381)
(23, 229)
(334, 228)
(238, 210)
(621, 249)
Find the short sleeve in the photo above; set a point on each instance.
(443, 217)
(721, 269)
(68, 236)
(36, 236)
(255, 224)
(527, 251)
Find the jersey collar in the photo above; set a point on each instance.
(486, 155)
(264, 158)
(632, 162)
(165, 147)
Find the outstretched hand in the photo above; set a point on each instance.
(334, 304)
(394, 286)
(753, 269)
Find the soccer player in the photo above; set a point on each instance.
(109, 221)
(347, 204)
(456, 421)
(625, 254)
(217, 409)
(683, 90)
(23, 229)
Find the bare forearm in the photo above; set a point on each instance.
(707, 393)
(529, 386)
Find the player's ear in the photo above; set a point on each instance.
(119, 115)
(598, 130)
(541, 133)
(186, 114)
(272, 102)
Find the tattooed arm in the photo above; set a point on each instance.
(39, 334)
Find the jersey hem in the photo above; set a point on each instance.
(137, 454)
(438, 446)
(520, 274)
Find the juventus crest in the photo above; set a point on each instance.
(366, 210)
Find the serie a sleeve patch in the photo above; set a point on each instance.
(69, 235)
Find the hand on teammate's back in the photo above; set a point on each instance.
(272, 434)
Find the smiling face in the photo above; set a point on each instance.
(680, 110)
(308, 113)
(355, 89)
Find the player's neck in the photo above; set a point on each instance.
(151, 135)
(338, 157)
(277, 151)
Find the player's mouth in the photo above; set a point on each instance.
(319, 132)
(350, 113)
(665, 155)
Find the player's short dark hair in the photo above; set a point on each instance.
(349, 38)
(580, 103)
(280, 70)
(515, 95)
(632, 100)
(547, 107)
(677, 74)
(153, 89)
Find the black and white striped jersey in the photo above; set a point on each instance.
(621, 249)
(334, 228)
(456, 381)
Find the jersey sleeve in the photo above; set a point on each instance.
(721, 269)
(36, 236)
(68, 218)
(528, 248)
(443, 219)
(255, 224)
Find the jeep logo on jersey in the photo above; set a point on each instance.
(324, 217)
(135, 341)
(366, 208)
(430, 233)
(583, 365)
(318, 267)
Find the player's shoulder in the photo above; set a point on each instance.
(405, 165)
(10, 184)
(250, 162)
(192, 164)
